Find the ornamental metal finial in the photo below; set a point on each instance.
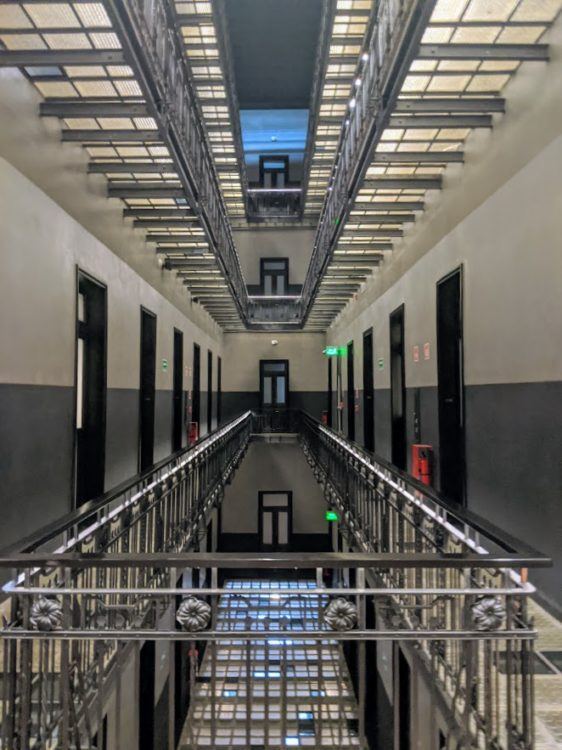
(193, 614)
(341, 614)
(46, 614)
(487, 612)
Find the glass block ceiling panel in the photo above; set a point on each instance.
(336, 89)
(456, 82)
(208, 60)
(73, 55)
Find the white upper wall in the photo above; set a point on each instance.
(32, 144)
(41, 247)
(500, 216)
(243, 351)
(295, 244)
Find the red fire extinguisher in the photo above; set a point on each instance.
(422, 463)
(193, 432)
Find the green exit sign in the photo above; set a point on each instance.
(331, 515)
(335, 351)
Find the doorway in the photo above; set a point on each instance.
(274, 172)
(274, 276)
(209, 391)
(275, 520)
(196, 397)
(404, 700)
(147, 672)
(350, 392)
(90, 388)
(398, 388)
(450, 386)
(329, 410)
(147, 389)
(368, 392)
(274, 383)
(177, 403)
(219, 391)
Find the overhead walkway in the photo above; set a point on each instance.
(128, 569)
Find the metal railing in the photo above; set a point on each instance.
(396, 31)
(264, 205)
(447, 569)
(50, 687)
(153, 44)
(120, 572)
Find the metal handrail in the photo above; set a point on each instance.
(139, 483)
(518, 549)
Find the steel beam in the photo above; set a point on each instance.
(389, 206)
(102, 167)
(143, 190)
(111, 136)
(92, 108)
(413, 157)
(483, 51)
(177, 237)
(165, 223)
(23, 58)
(370, 248)
(459, 104)
(440, 121)
(403, 183)
(158, 213)
(349, 233)
(383, 219)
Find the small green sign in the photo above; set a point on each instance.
(381, 364)
(331, 515)
(164, 365)
(335, 351)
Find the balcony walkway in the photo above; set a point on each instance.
(298, 692)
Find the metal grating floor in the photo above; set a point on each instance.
(276, 693)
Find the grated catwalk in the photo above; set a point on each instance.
(274, 693)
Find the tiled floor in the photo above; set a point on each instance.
(548, 685)
(295, 693)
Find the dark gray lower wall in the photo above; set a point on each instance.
(36, 448)
(514, 467)
(163, 419)
(236, 402)
(37, 444)
(122, 435)
(513, 464)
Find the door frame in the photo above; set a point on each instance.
(460, 271)
(400, 309)
(351, 421)
(371, 411)
(287, 399)
(330, 409)
(219, 390)
(209, 391)
(289, 495)
(284, 273)
(194, 380)
(74, 462)
(145, 310)
(177, 336)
